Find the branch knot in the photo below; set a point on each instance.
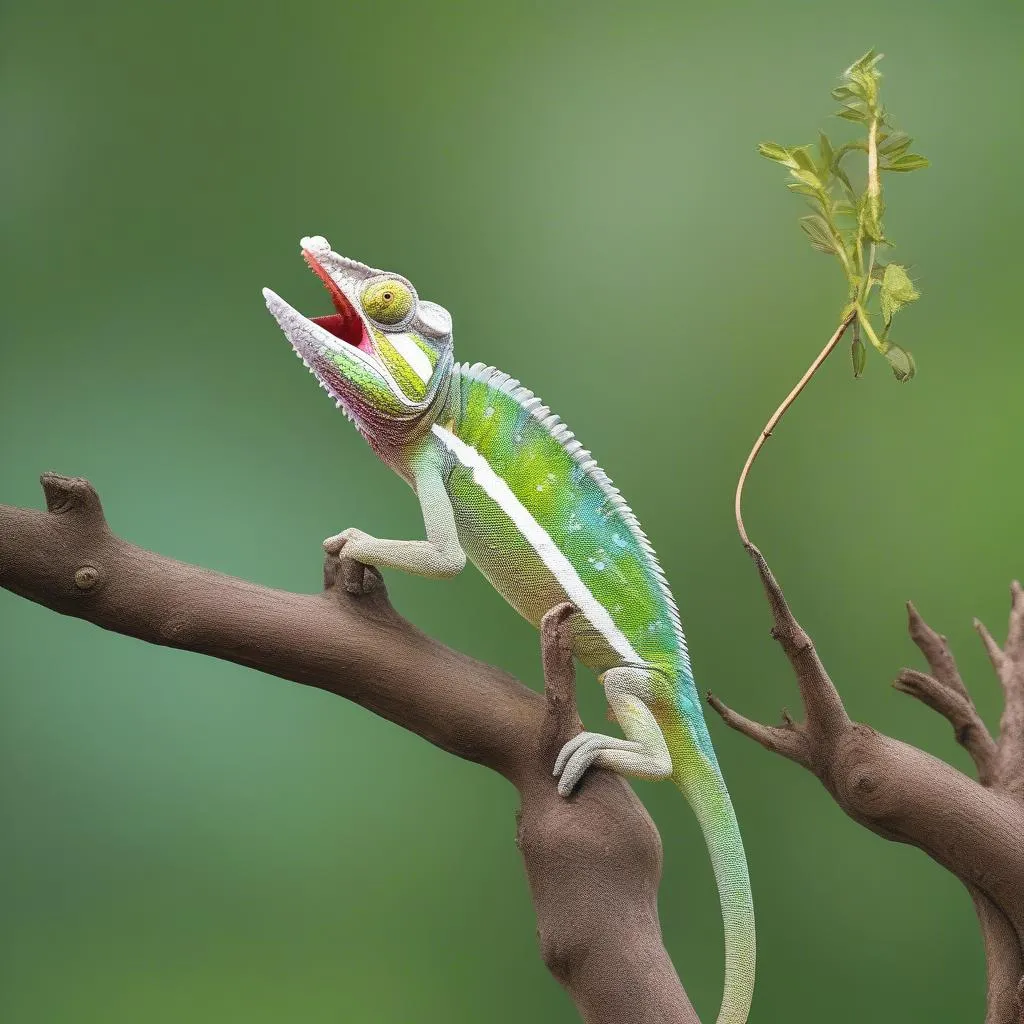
(70, 494)
(87, 577)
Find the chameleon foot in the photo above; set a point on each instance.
(643, 754)
(350, 537)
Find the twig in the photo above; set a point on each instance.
(959, 711)
(778, 414)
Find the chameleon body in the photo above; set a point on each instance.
(503, 482)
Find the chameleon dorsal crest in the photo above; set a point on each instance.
(503, 482)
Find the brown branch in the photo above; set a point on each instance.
(1004, 959)
(594, 868)
(593, 861)
(961, 713)
(779, 413)
(826, 716)
(944, 691)
(935, 649)
(1008, 662)
(788, 739)
(905, 795)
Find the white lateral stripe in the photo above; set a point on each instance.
(413, 355)
(539, 539)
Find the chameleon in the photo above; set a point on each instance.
(503, 482)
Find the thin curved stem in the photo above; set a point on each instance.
(779, 413)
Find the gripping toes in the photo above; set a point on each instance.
(643, 754)
(592, 740)
(350, 537)
(584, 751)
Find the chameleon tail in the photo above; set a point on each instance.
(700, 780)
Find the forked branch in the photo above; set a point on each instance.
(974, 829)
(593, 861)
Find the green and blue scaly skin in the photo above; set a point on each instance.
(501, 481)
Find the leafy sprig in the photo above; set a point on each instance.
(846, 219)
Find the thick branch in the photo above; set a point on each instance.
(594, 877)
(1004, 959)
(68, 560)
(593, 861)
(908, 796)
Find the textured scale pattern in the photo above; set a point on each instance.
(557, 479)
(502, 481)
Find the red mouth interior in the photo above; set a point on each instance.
(346, 324)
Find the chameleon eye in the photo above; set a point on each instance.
(387, 302)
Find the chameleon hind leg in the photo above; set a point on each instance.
(642, 754)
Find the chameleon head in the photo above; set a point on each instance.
(383, 355)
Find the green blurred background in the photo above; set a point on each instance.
(185, 840)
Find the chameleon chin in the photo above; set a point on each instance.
(501, 481)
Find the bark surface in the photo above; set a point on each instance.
(972, 827)
(593, 861)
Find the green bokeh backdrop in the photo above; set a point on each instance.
(185, 840)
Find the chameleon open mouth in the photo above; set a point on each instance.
(356, 360)
(345, 323)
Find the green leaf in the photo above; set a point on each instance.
(773, 151)
(842, 93)
(871, 210)
(871, 227)
(902, 363)
(892, 145)
(862, 74)
(802, 189)
(803, 158)
(853, 113)
(859, 354)
(841, 175)
(819, 233)
(897, 291)
(827, 154)
(841, 208)
(808, 177)
(865, 62)
(909, 162)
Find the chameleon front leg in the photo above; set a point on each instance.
(643, 754)
(439, 556)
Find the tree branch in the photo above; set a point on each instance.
(944, 691)
(961, 713)
(593, 861)
(826, 716)
(935, 649)
(1004, 959)
(1008, 663)
(788, 739)
(905, 795)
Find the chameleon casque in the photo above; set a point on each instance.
(503, 482)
